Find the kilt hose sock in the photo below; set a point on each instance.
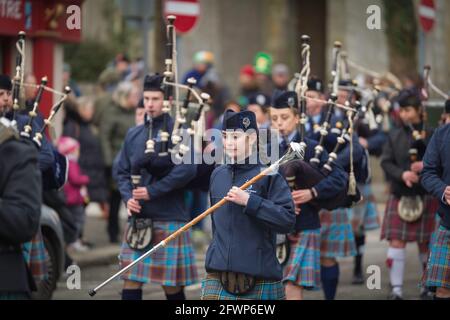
(360, 241)
(396, 264)
(131, 294)
(329, 277)
(176, 296)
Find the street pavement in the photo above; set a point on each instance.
(102, 263)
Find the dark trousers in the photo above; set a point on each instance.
(113, 219)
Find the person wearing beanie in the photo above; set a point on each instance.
(157, 201)
(241, 261)
(402, 162)
(247, 83)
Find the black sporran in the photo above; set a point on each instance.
(139, 233)
(237, 283)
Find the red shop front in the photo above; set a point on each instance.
(48, 24)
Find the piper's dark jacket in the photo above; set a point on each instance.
(46, 157)
(20, 201)
(308, 219)
(395, 160)
(166, 196)
(435, 176)
(244, 238)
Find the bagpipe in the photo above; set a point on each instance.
(55, 176)
(410, 206)
(181, 144)
(305, 175)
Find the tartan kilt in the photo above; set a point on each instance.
(364, 215)
(36, 257)
(336, 233)
(264, 290)
(303, 266)
(394, 228)
(437, 272)
(172, 265)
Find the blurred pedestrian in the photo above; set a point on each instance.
(75, 190)
(78, 125)
(280, 76)
(247, 83)
(114, 124)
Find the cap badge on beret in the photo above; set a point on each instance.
(261, 100)
(246, 122)
(291, 102)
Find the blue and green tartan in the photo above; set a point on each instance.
(365, 214)
(14, 296)
(264, 290)
(437, 272)
(303, 267)
(172, 265)
(36, 257)
(337, 238)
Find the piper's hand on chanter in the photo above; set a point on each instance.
(237, 196)
(141, 193)
(417, 166)
(133, 207)
(410, 177)
(363, 142)
(301, 196)
(447, 195)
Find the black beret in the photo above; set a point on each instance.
(408, 98)
(315, 84)
(284, 99)
(244, 120)
(5, 82)
(260, 99)
(346, 83)
(153, 82)
(447, 106)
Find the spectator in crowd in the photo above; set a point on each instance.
(280, 76)
(248, 84)
(208, 81)
(115, 73)
(75, 190)
(114, 125)
(263, 70)
(78, 125)
(139, 115)
(68, 81)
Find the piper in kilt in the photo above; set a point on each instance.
(364, 215)
(410, 212)
(241, 260)
(157, 202)
(436, 180)
(302, 270)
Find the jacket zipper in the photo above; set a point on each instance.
(231, 219)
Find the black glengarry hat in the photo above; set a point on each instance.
(284, 99)
(315, 84)
(244, 120)
(154, 82)
(5, 82)
(260, 99)
(408, 98)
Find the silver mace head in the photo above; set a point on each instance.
(296, 151)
